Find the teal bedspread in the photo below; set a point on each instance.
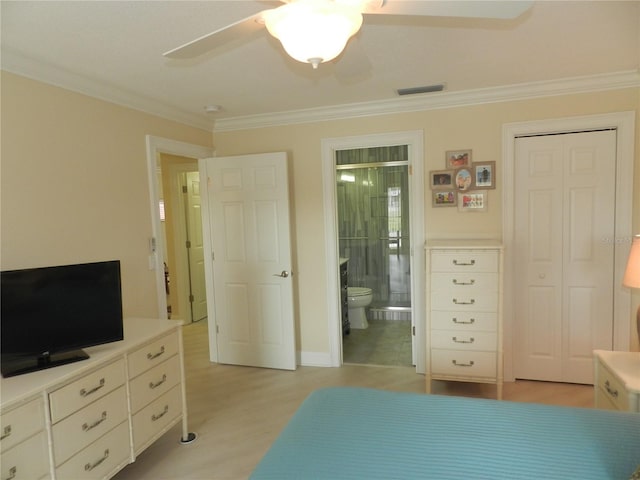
(358, 433)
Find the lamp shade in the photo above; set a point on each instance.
(313, 31)
(632, 273)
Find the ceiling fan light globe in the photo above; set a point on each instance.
(313, 31)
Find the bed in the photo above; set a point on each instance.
(358, 433)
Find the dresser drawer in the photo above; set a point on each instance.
(464, 261)
(464, 281)
(99, 459)
(20, 423)
(28, 460)
(83, 427)
(464, 321)
(151, 384)
(152, 419)
(455, 340)
(463, 363)
(89, 388)
(152, 354)
(612, 389)
(465, 302)
(603, 401)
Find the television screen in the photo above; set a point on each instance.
(47, 314)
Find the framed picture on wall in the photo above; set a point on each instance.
(458, 158)
(441, 179)
(464, 179)
(475, 201)
(444, 198)
(484, 174)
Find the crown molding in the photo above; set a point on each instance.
(44, 72)
(435, 101)
(19, 64)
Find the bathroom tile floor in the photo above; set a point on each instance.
(385, 342)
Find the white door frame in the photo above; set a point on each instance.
(624, 123)
(416, 188)
(155, 146)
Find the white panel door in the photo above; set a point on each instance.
(565, 204)
(248, 217)
(196, 248)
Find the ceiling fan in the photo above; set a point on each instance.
(316, 31)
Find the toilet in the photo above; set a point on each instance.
(357, 299)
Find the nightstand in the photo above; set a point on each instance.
(617, 380)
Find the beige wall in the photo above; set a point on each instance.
(74, 180)
(74, 184)
(477, 127)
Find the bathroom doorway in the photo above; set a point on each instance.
(411, 145)
(374, 242)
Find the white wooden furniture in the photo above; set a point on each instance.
(617, 380)
(464, 312)
(91, 418)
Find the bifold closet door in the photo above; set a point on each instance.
(565, 203)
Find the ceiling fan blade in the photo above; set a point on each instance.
(503, 9)
(216, 39)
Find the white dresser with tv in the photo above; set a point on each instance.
(91, 418)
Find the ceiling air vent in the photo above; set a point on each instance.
(426, 89)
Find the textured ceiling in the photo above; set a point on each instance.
(114, 50)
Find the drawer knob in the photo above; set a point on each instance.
(470, 282)
(6, 432)
(455, 339)
(457, 302)
(462, 264)
(90, 466)
(610, 391)
(462, 322)
(151, 356)
(455, 362)
(84, 392)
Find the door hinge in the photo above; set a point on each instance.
(191, 298)
(184, 189)
(413, 330)
(217, 329)
(188, 243)
(410, 169)
(213, 256)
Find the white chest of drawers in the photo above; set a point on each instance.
(89, 419)
(464, 312)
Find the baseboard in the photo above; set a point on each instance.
(314, 359)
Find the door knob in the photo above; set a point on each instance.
(283, 274)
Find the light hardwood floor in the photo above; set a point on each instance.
(237, 412)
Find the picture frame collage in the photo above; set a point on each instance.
(463, 183)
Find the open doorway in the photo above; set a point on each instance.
(161, 240)
(411, 144)
(183, 253)
(374, 243)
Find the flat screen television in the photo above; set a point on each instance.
(48, 314)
